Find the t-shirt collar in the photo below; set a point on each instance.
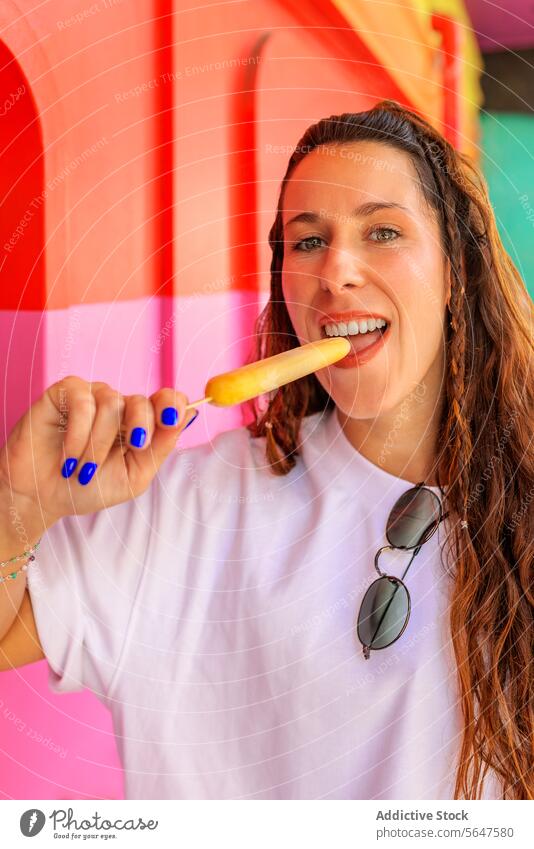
(327, 448)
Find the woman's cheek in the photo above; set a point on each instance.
(295, 306)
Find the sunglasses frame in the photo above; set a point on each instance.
(392, 579)
(431, 530)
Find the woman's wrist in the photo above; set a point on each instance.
(18, 562)
(21, 528)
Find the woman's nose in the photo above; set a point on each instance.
(342, 269)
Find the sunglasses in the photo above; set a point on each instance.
(385, 608)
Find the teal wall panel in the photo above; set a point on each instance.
(508, 165)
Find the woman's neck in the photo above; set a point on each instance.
(403, 441)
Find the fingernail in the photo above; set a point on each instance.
(87, 472)
(192, 420)
(138, 437)
(169, 416)
(68, 466)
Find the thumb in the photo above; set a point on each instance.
(189, 419)
(165, 439)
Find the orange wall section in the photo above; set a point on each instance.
(299, 83)
(101, 155)
(120, 111)
(402, 41)
(432, 53)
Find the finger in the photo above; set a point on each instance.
(169, 409)
(110, 406)
(76, 404)
(138, 422)
(169, 413)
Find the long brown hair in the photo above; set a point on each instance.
(486, 439)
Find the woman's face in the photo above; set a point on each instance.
(367, 244)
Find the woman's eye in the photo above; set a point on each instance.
(306, 241)
(384, 234)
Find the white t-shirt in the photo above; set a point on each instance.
(215, 615)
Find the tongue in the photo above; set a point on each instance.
(363, 340)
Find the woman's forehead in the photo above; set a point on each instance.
(352, 174)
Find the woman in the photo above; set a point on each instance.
(220, 629)
(473, 430)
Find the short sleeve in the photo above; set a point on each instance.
(83, 585)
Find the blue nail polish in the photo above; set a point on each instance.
(169, 416)
(68, 466)
(192, 420)
(87, 472)
(138, 437)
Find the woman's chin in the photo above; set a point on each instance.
(362, 412)
(363, 405)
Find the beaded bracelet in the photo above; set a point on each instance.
(12, 575)
(24, 553)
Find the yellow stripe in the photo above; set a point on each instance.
(401, 37)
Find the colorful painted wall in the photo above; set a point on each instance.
(142, 147)
(508, 166)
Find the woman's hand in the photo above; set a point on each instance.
(72, 451)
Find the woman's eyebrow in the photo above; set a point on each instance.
(360, 211)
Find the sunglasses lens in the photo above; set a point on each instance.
(384, 613)
(414, 518)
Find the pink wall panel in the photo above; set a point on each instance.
(501, 26)
(54, 746)
(62, 746)
(206, 326)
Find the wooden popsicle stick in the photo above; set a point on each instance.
(194, 404)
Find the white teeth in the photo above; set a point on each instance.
(352, 328)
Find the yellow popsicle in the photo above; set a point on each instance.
(241, 384)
